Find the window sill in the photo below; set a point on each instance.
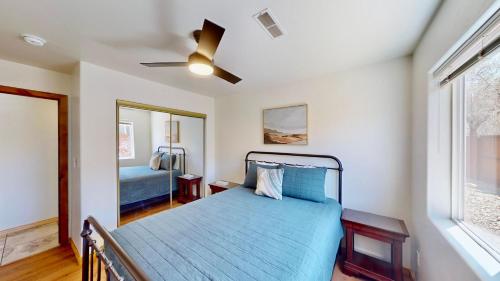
(478, 259)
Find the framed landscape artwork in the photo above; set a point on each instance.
(175, 131)
(285, 125)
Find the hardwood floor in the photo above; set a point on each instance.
(339, 276)
(147, 211)
(55, 264)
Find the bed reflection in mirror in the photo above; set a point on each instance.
(160, 161)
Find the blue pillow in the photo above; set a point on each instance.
(304, 183)
(251, 176)
(165, 161)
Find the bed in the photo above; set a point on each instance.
(140, 185)
(233, 235)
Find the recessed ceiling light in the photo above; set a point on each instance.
(33, 40)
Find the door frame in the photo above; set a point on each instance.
(62, 147)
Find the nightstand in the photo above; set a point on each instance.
(185, 185)
(216, 188)
(385, 229)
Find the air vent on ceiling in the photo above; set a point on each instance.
(269, 23)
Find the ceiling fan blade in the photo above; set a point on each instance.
(229, 77)
(164, 64)
(210, 37)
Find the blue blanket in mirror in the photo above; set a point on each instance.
(139, 183)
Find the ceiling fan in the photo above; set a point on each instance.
(201, 62)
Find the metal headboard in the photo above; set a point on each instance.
(182, 154)
(338, 168)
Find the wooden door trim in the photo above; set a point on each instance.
(62, 112)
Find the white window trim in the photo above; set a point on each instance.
(480, 261)
(459, 112)
(132, 134)
(475, 256)
(458, 148)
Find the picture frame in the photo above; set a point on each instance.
(285, 125)
(175, 131)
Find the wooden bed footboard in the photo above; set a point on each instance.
(94, 257)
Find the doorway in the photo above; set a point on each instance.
(44, 122)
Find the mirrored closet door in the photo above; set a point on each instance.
(188, 134)
(160, 159)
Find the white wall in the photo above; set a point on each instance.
(361, 115)
(439, 260)
(34, 78)
(191, 138)
(142, 136)
(158, 120)
(99, 90)
(29, 163)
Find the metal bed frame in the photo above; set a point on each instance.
(92, 253)
(182, 154)
(318, 156)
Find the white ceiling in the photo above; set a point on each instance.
(322, 36)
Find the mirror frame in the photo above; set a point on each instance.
(148, 107)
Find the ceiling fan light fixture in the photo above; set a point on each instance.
(201, 69)
(199, 64)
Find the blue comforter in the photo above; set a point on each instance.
(140, 183)
(236, 235)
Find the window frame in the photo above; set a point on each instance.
(458, 148)
(458, 162)
(132, 139)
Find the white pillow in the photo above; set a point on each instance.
(269, 182)
(154, 162)
(267, 163)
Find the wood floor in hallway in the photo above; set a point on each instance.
(55, 264)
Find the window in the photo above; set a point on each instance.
(476, 152)
(126, 140)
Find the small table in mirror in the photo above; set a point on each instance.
(185, 184)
